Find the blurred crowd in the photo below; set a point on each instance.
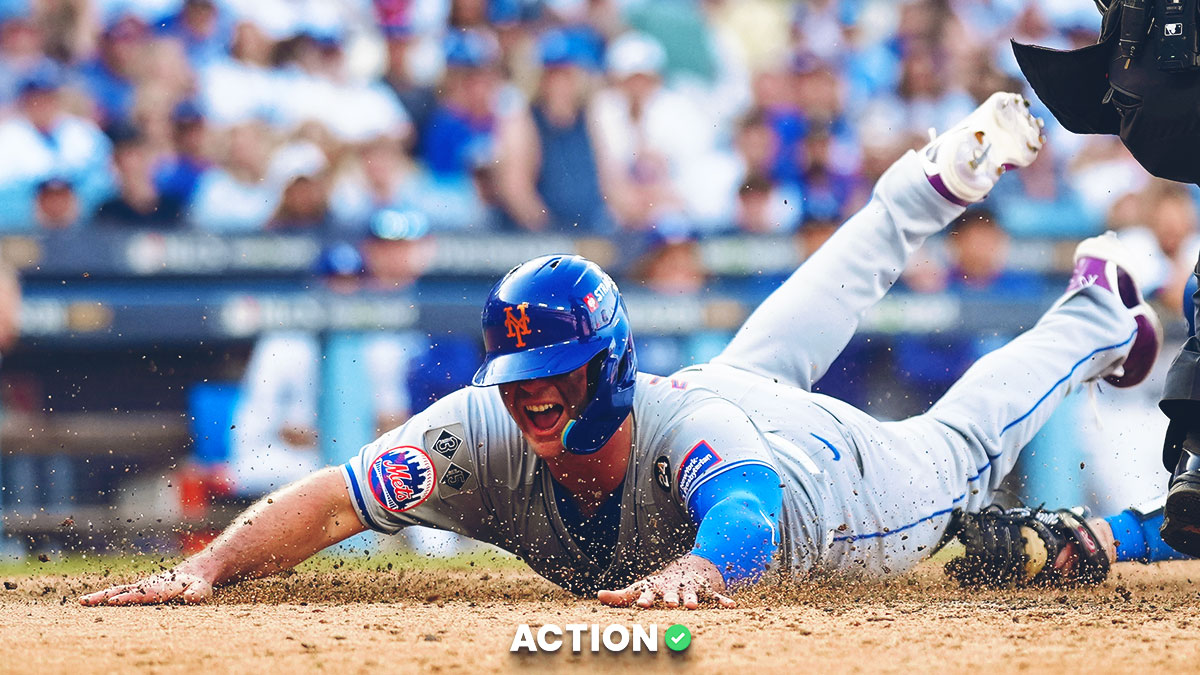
(377, 125)
(401, 118)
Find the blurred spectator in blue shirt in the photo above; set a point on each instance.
(178, 175)
(43, 141)
(465, 118)
(550, 162)
(663, 145)
(671, 264)
(110, 77)
(242, 87)
(763, 205)
(828, 188)
(385, 178)
(1039, 201)
(925, 97)
(199, 26)
(299, 173)
(419, 99)
(139, 202)
(810, 95)
(234, 197)
(1165, 247)
(978, 259)
(55, 206)
(21, 48)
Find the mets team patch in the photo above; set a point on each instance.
(402, 478)
(699, 459)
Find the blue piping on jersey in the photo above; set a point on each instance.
(876, 535)
(991, 458)
(1065, 378)
(836, 455)
(358, 498)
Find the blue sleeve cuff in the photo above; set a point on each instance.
(1138, 539)
(737, 514)
(360, 506)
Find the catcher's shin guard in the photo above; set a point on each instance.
(1181, 516)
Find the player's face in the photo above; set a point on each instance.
(542, 408)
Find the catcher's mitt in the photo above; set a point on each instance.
(1019, 547)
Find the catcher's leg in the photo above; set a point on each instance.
(801, 328)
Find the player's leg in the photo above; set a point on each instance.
(1101, 328)
(916, 472)
(800, 329)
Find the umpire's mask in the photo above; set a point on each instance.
(1141, 81)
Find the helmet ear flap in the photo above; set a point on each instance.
(623, 365)
(595, 372)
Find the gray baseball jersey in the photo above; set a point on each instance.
(860, 495)
(463, 465)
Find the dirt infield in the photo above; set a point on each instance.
(1145, 618)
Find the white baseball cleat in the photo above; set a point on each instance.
(1105, 262)
(964, 163)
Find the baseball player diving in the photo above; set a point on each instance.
(644, 489)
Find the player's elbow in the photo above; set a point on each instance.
(739, 536)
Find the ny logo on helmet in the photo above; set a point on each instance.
(517, 326)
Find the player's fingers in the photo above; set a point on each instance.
(99, 597)
(621, 598)
(126, 598)
(150, 592)
(671, 597)
(646, 599)
(724, 601)
(134, 596)
(691, 600)
(197, 591)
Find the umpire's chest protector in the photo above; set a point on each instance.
(1140, 81)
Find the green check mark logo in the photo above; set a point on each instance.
(678, 637)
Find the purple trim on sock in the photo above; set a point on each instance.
(937, 183)
(1142, 355)
(1089, 272)
(1127, 289)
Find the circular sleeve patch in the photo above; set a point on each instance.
(401, 478)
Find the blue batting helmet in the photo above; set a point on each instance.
(551, 315)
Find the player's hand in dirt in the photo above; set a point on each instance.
(686, 582)
(162, 587)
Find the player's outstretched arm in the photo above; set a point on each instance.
(737, 513)
(276, 533)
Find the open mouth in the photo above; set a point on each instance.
(544, 416)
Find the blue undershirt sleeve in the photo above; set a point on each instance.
(737, 515)
(1138, 539)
